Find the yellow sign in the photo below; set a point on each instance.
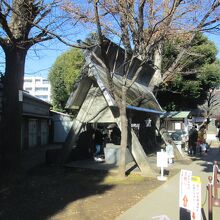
(196, 198)
(196, 179)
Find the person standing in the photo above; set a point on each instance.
(193, 136)
(85, 143)
(218, 132)
(170, 152)
(98, 139)
(201, 138)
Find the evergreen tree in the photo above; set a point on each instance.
(199, 71)
(62, 76)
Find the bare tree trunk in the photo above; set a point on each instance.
(157, 77)
(124, 133)
(12, 110)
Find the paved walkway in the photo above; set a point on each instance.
(164, 200)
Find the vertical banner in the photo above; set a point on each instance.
(189, 196)
(185, 189)
(196, 198)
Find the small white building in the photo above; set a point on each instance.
(38, 87)
(61, 125)
(176, 121)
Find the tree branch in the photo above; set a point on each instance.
(125, 32)
(168, 75)
(103, 54)
(47, 32)
(4, 23)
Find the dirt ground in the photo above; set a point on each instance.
(58, 193)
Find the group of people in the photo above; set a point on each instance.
(197, 142)
(103, 135)
(92, 141)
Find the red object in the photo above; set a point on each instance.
(185, 201)
(193, 215)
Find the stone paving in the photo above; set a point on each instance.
(163, 202)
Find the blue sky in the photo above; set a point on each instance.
(41, 59)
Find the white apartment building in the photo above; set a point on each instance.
(38, 87)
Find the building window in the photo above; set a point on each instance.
(28, 89)
(41, 89)
(44, 97)
(45, 81)
(177, 126)
(37, 80)
(28, 80)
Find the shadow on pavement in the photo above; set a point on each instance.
(206, 161)
(46, 190)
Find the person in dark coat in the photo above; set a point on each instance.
(85, 143)
(98, 140)
(193, 136)
(218, 132)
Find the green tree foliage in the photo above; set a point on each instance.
(198, 72)
(62, 76)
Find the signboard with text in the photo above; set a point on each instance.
(196, 198)
(185, 189)
(162, 159)
(190, 195)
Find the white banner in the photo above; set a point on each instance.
(190, 194)
(162, 159)
(185, 189)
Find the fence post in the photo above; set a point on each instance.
(209, 187)
(215, 181)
